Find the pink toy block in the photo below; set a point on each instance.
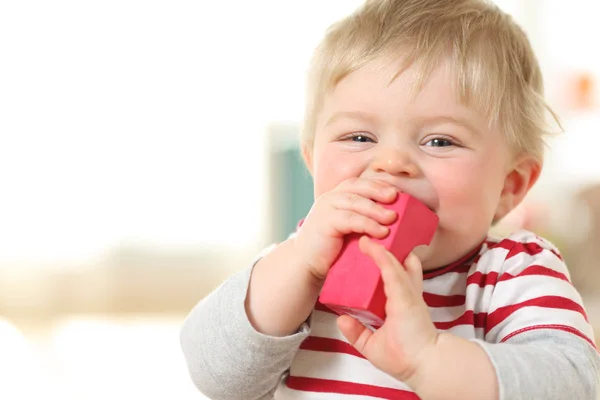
(353, 285)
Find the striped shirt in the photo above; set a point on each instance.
(503, 289)
(512, 296)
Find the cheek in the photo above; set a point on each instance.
(332, 168)
(467, 188)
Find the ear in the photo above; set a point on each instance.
(519, 180)
(307, 156)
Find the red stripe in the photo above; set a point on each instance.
(557, 254)
(489, 321)
(504, 244)
(491, 278)
(535, 270)
(329, 345)
(529, 248)
(339, 387)
(468, 318)
(480, 279)
(436, 300)
(556, 302)
(515, 248)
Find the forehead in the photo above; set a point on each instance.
(380, 88)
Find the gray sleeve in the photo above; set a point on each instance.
(226, 357)
(545, 364)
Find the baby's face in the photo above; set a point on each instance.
(429, 146)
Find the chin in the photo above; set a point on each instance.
(426, 256)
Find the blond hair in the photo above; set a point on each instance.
(496, 71)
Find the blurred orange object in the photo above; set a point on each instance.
(583, 91)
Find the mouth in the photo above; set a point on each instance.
(428, 199)
(426, 202)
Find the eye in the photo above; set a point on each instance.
(440, 142)
(359, 137)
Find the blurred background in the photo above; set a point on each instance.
(148, 149)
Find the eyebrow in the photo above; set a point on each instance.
(356, 115)
(453, 120)
(437, 119)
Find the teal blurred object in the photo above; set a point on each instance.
(291, 186)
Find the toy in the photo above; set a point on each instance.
(353, 285)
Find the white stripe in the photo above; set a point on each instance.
(341, 367)
(517, 264)
(478, 299)
(531, 287)
(490, 261)
(448, 284)
(446, 314)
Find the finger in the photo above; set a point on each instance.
(357, 334)
(345, 222)
(369, 188)
(362, 205)
(396, 282)
(414, 269)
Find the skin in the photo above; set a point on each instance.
(375, 139)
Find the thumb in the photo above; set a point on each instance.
(414, 268)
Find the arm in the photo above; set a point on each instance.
(538, 341)
(226, 357)
(541, 364)
(546, 364)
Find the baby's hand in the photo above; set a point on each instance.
(408, 337)
(350, 208)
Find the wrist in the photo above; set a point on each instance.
(281, 293)
(429, 359)
(455, 368)
(314, 278)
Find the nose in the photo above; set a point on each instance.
(395, 161)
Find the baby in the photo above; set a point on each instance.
(442, 100)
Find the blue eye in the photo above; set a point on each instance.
(440, 142)
(360, 138)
